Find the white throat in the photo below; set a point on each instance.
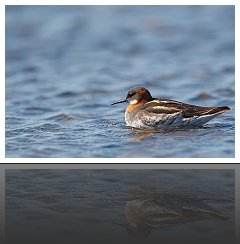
(135, 101)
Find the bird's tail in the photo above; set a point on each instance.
(218, 110)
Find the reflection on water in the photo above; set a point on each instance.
(151, 210)
(104, 206)
(139, 135)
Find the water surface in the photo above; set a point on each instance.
(65, 65)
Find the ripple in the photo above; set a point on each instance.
(67, 94)
(227, 92)
(37, 110)
(30, 69)
(47, 127)
(62, 117)
(204, 96)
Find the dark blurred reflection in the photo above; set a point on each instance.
(120, 206)
(151, 210)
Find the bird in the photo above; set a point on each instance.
(144, 111)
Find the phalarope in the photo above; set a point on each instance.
(145, 111)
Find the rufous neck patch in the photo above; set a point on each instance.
(131, 107)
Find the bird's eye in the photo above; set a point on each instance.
(131, 94)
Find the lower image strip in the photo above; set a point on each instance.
(120, 206)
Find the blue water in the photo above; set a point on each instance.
(76, 205)
(65, 65)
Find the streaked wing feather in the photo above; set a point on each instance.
(171, 106)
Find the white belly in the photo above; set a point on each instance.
(165, 120)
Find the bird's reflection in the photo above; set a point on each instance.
(150, 210)
(139, 134)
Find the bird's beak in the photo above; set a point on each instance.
(123, 101)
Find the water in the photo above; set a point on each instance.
(76, 206)
(68, 64)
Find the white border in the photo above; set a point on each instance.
(2, 83)
(121, 160)
(117, 160)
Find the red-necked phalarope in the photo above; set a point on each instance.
(147, 112)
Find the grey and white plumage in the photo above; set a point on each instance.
(147, 112)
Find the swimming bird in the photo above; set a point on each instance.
(144, 111)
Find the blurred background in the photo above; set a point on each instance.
(65, 65)
(83, 206)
